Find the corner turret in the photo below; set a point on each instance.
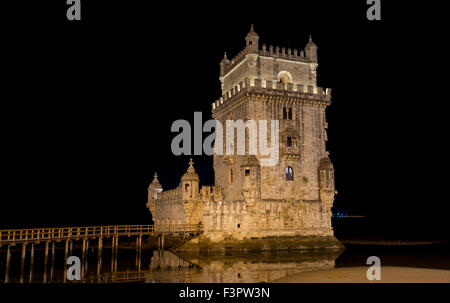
(252, 41)
(311, 50)
(190, 183)
(153, 190)
(223, 63)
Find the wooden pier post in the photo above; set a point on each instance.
(24, 251)
(137, 251)
(112, 254)
(22, 261)
(87, 256)
(83, 254)
(53, 251)
(45, 261)
(8, 263)
(46, 253)
(162, 241)
(116, 253)
(66, 252)
(83, 250)
(99, 266)
(113, 244)
(52, 266)
(70, 247)
(87, 250)
(99, 255)
(100, 247)
(30, 279)
(140, 253)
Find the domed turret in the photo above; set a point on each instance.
(190, 174)
(223, 63)
(326, 174)
(252, 40)
(154, 188)
(190, 182)
(311, 50)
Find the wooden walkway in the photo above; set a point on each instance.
(33, 236)
(36, 235)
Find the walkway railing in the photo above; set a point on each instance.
(13, 236)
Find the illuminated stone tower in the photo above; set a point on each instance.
(286, 205)
(295, 196)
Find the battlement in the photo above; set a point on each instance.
(271, 51)
(273, 88)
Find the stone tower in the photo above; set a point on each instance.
(286, 205)
(294, 197)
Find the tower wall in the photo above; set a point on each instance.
(273, 206)
(263, 67)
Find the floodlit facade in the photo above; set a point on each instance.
(276, 206)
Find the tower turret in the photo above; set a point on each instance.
(190, 182)
(252, 41)
(153, 190)
(326, 186)
(311, 50)
(223, 63)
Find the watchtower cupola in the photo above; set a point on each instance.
(252, 41)
(223, 63)
(154, 188)
(311, 50)
(190, 182)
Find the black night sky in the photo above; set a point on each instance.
(87, 107)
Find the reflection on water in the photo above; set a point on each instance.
(166, 266)
(236, 268)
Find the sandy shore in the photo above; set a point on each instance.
(389, 274)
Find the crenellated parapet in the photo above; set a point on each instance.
(267, 51)
(276, 52)
(269, 88)
(230, 64)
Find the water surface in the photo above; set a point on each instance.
(166, 266)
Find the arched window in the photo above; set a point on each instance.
(290, 114)
(284, 113)
(289, 174)
(284, 77)
(289, 141)
(186, 187)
